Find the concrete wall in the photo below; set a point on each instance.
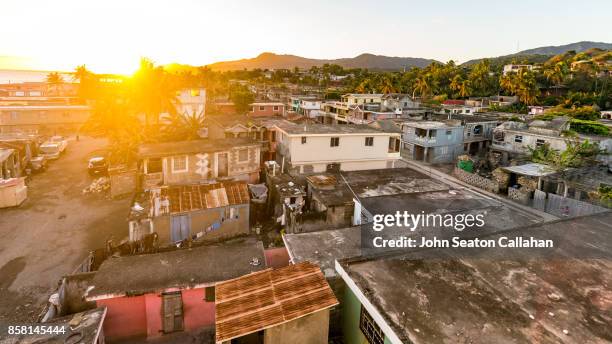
(352, 147)
(476, 180)
(311, 329)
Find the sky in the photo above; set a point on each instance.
(112, 35)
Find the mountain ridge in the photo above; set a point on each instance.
(268, 60)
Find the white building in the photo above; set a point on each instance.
(515, 68)
(191, 102)
(321, 147)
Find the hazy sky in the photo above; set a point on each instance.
(111, 35)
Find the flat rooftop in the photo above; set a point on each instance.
(156, 150)
(184, 268)
(476, 300)
(323, 248)
(336, 129)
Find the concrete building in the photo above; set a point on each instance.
(275, 306)
(320, 147)
(433, 141)
(152, 295)
(513, 139)
(198, 161)
(498, 299)
(204, 212)
(191, 102)
(515, 68)
(260, 129)
(267, 109)
(46, 119)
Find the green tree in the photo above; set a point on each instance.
(242, 98)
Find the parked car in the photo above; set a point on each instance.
(63, 142)
(38, 164)
(50, 150)
(97, 166)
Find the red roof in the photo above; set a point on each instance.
(454, 102)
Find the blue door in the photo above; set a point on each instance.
(179, 228)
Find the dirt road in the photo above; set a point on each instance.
(53, 231)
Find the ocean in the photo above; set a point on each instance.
(14, 76)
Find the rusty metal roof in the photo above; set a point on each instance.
(268, 298)
(196, 197)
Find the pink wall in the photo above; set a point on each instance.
(153, 311)
(197, 312)
(141, 315)
(277, 257)
(125, 317)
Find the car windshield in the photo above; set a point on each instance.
(98, 162)
(49, 149)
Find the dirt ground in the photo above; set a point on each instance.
(51, 233)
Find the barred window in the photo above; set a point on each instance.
(369, 141)
(370, 329)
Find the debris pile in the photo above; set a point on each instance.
(97, 186)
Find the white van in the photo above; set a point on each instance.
(50, 150)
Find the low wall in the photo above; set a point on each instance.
(476, 180)
(519, 195)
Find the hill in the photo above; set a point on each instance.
(275, 61)
(542, 54)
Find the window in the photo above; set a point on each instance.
(518, 138)
(262, 108)
(195, 92)
(172, 312)
(66, 114)
(467, 110)
(243, 155)
(449, 132)
(369, 141)
(275, 108)
(334, 142)
(478, 130)
(540, 143)
(370, 329)
(303, 139)
(209, 294)
(273, 136)
(179, 163)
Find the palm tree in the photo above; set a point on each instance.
(153, 92)
(387, 86)
(184, 127)
(54, 79)
(423, 85)
(557, 73)
(86, 81)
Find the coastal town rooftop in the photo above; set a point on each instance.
(503, 300)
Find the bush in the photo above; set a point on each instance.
(589, 127)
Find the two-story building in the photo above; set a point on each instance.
(191, 102)
(198, 161)
(477, 131)
(261, 129)
(43, 118)
(321, 147)
(513, 139)
(267, 109)
(432, 141)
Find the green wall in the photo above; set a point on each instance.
(351, 309)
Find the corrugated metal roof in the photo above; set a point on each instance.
(268, 298)
(195, 197)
